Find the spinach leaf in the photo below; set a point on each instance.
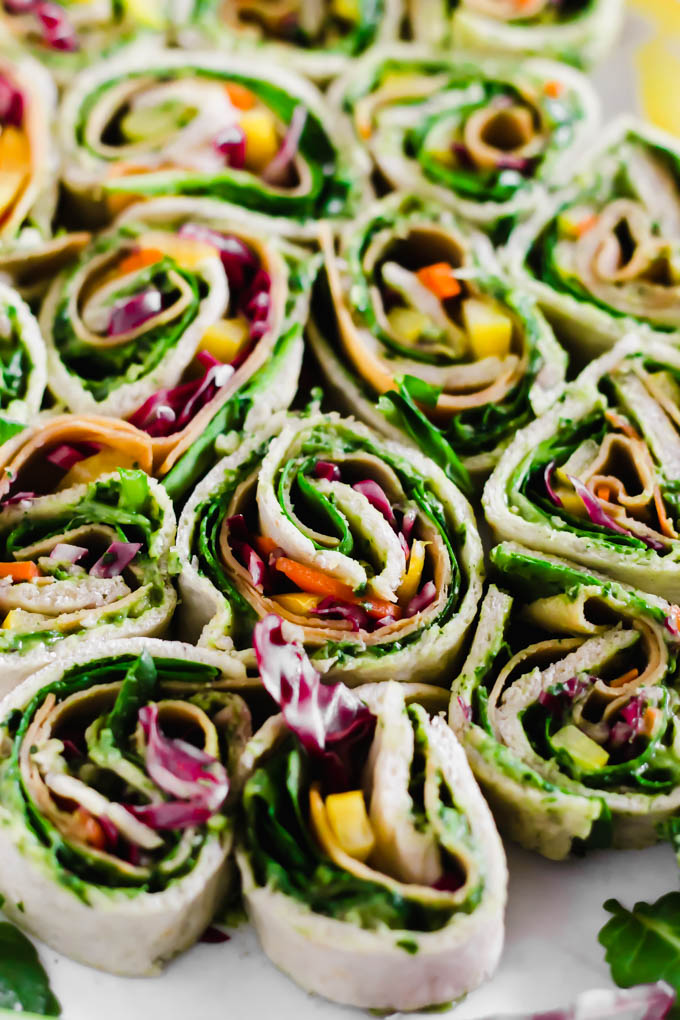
(24, 986)
(138, 686)
(643, 944)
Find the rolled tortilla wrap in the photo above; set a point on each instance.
(370, 864)
(362, 543)
(205, 124)
(581, 33)
(595, 478)
(487, 138)
(601, 258)
(82, 565)
(318, 38)
(566, 706)
(410, 298)
(114, 851)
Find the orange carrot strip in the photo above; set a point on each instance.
(626, 678)
(586, 224)
(603, 492)
(264, 544)
(621, 424)
(91, 831)
(649, 720)
(22, 570)
(440, 279)
(667, 528)
(315, 582)
(240, 96)
(139, 260)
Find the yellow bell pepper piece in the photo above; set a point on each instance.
(348, 819)
(184, 250)
(588, 755)
(146, 12)
(225, 338)
(298, 602)
(411, 582)
(91, 468)
(488, 328)
(8, 622)
(408, 323)
(262, 141)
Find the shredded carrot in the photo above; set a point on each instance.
(139, 260)
(553, 88)
(649, 720)
(586, 224)
(621, 424)
(315, 582)
(22, 570)
(364, 129)
(440, 279)
(667, 528)
(264, 544)
(90, 831)
(621, 681)
(603, 492)
(239, 96)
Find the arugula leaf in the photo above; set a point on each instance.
(643, 944)
(138, 686)
(24, 985)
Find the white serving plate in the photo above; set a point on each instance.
(554, 910)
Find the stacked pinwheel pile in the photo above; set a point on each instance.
(291, 294)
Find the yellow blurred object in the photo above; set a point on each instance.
(588, 755)
(225, 338)
(149, 13)
(262, 142)
(408, 323)
(91, 468)
(8, 621)
(348, 10)
(659, 70)
(488, 328)
(666, 13)
(349, 822)
(411, 583)
(298, 602)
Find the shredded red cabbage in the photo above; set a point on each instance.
(598, 516)
(325, 469)
(179, 768)
(239, 540)
(170, 410)
(214, 936)
(358, 617)
(424, 598)
(547, 475)
(231, 143)
(240, 263)
(329, 720)
(65, 553)
(278, 170)
(377, 497)
(57, 31)
(171, 814)
(11, 104)
(132, 312)
(116, 558)
(65, 455)
(572, 688)
(18, 497)
(110, 832)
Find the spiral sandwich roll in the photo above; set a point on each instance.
(578, 31)
(567, 706)
(487, 138)
(87, 563)
(415, 304)
(363, 544)
(601, 258)
(370, 863)
(152, 122)
(115, 771)
(595, 479)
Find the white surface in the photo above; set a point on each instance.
(551, 954)
(554, 911)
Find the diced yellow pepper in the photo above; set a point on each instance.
(408, 323)
(348, 10)
(8, 622)
(262, 141)
(489, 329)
(10, 185)
(348, 818)
(298, 602)
(411, 583)
(15, 150)
(588, 755)
(146, 12)
(225, 338)
(91, 468)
